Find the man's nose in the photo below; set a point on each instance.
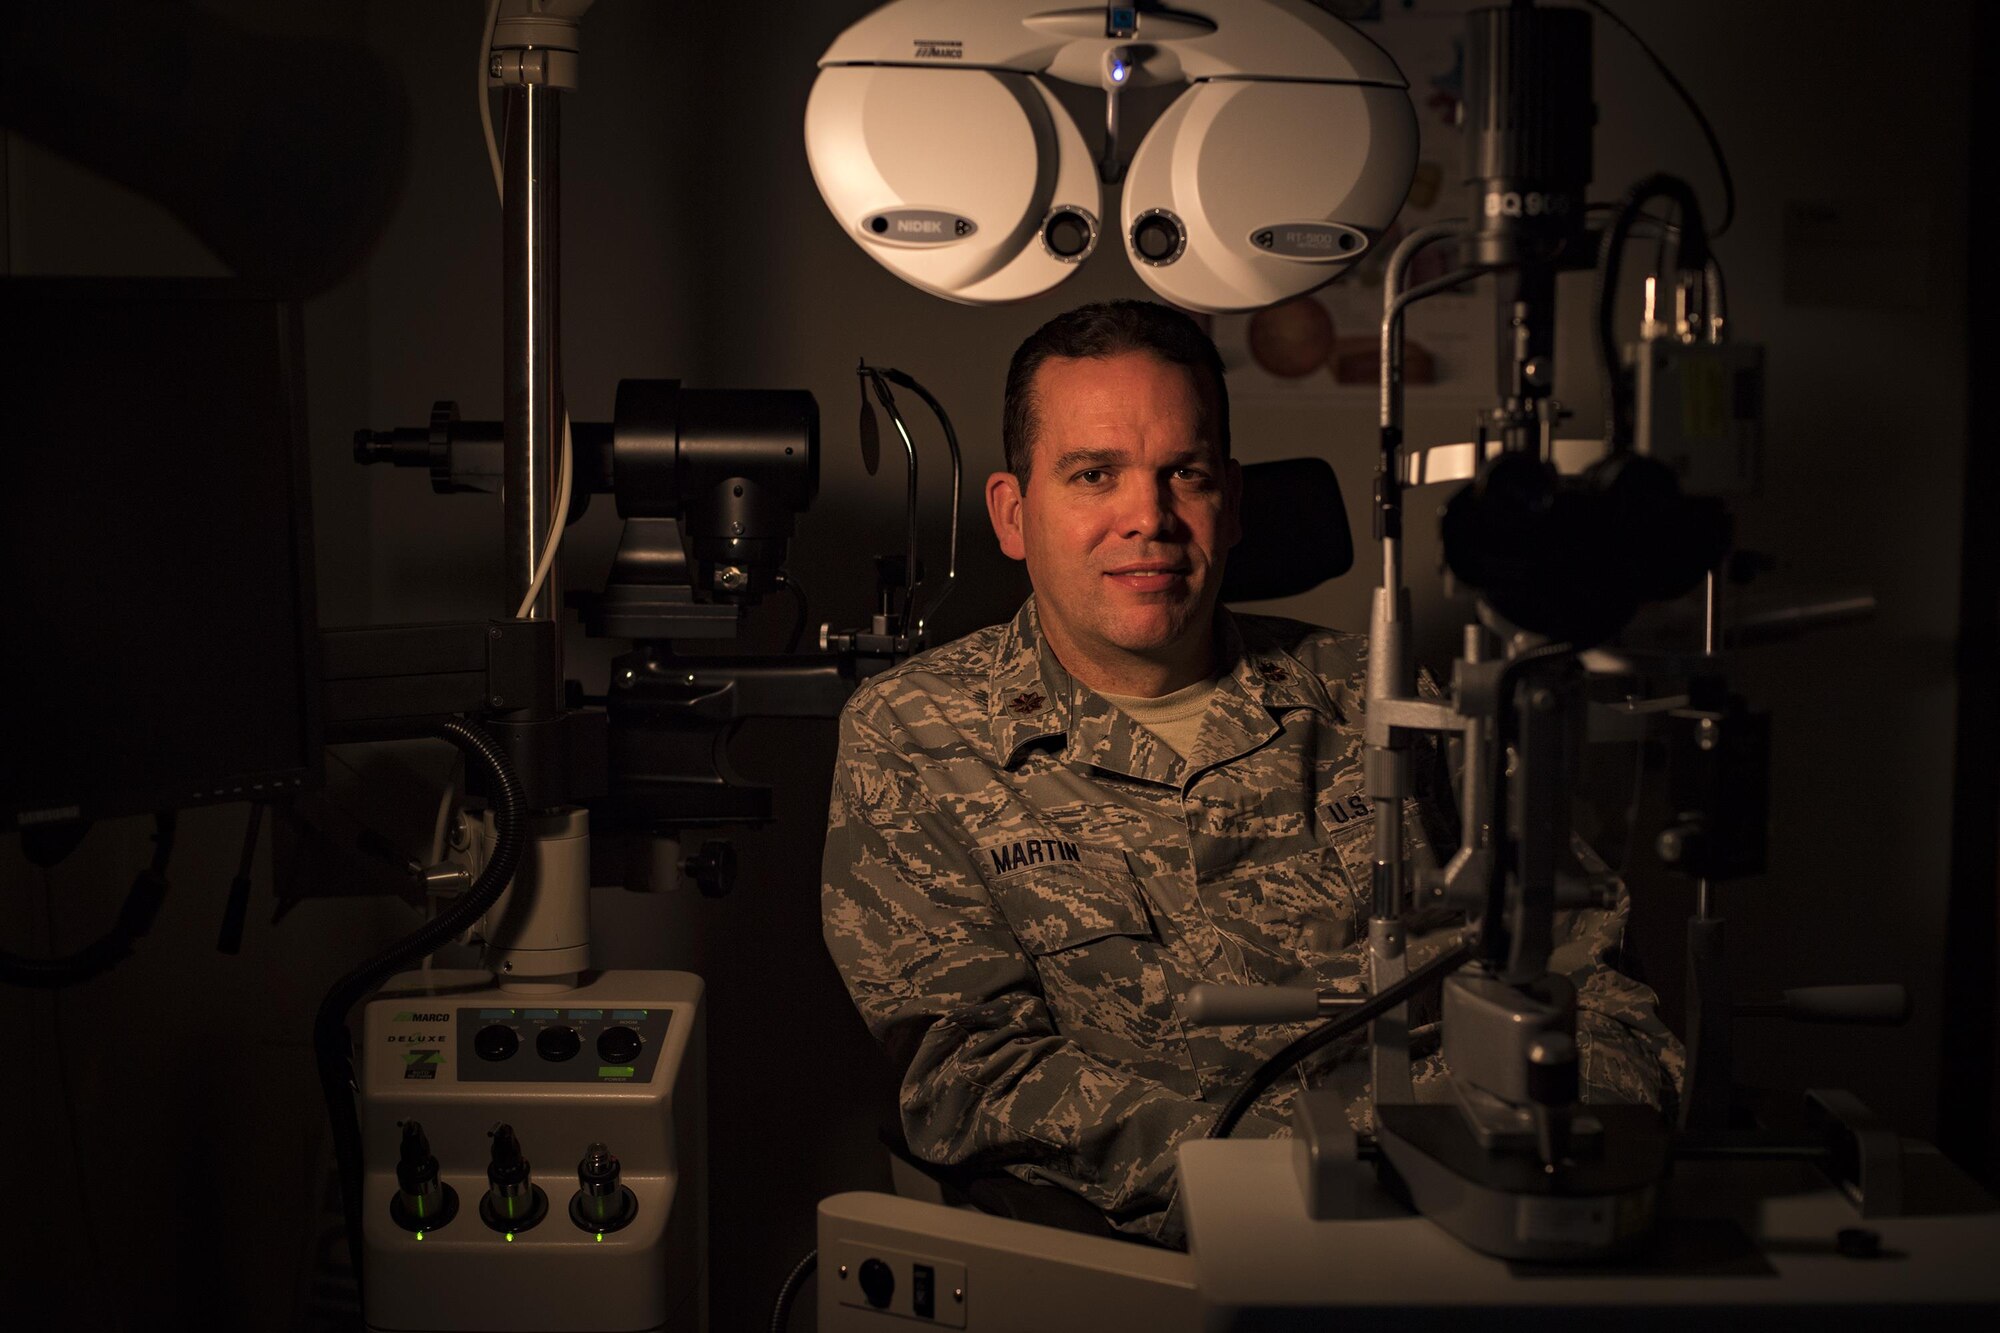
(1149, 509)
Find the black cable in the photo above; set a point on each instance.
(1669, 236)
(781, 1310)
(333, 1044)
(73, 1133)
(801, 612)
(1269, 1072)
(229, 939)
(135, 918)
(1691, 254)
(957, 484)
(1632, 810)
(1707, 130)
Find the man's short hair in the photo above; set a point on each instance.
(1104, 329)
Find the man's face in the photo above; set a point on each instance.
(1126, 516)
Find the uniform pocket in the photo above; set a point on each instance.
(1061, 907)
(1101, 964)
(1298, 910)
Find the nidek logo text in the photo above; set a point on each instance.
(932, 49)
(918, 226)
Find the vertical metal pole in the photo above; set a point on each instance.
(1711, 644)
(533, 422)
(1475, 809)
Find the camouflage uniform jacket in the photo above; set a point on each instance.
(1020, 882)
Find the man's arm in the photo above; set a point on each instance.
(944, 985)
(1625, 1050)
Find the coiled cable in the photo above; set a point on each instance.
(333, 1045)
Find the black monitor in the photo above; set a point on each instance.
(161, 641)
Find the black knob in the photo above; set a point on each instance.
(1158, 238)
(1552, 1070)
(416, 1166)
(878, 1283)
(1858, 1243)
(600, 1203)
(597, 1173)
(1067, 233)
(713, 868)
(422, 1202)
(508, 1166)
(513, 1201)
(496, 1041)
(619, 1045)
(558, 1043)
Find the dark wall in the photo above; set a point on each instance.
(695, 246)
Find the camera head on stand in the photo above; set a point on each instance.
(708, 482)
(1573, 558)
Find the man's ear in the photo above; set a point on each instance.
(1232, 503)
(1003, 506)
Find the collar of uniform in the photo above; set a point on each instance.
(1268, 676)
(1028, 692)
(1259, 680)
(1105, 736)
(1030, 697)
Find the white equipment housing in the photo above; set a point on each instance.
(940, 150)
(422, 1059)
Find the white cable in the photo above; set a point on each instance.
(486, 97)
(558, 521)
(558, 524)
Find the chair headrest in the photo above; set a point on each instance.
(1295, 533)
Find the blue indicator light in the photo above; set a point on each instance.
(1118, 71)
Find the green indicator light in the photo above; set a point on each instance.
(600, 1238)
(420, 1235)
(614, 1071)
(510, 1235)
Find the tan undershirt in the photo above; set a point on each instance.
(1175, 718)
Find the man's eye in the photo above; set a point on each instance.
(1191, 474)
(1091, 476)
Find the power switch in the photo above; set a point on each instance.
(921, 1287)
(878, 1283)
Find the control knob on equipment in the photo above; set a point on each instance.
(600, 1203)
(619, 1045)
(513, 1202)
(558, 1043)
(496, 1041)
(423, 1202)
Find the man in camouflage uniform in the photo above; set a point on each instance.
(1044, 834)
